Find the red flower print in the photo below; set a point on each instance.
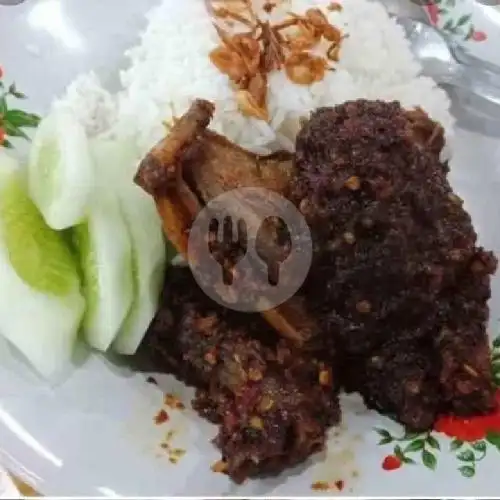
(471, 428)
(2, 136)
(433, 11)
(479, 36)
(391, 462)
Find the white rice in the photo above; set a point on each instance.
(170, 68)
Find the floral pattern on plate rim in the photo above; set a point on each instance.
(442, 13)
(13, 121)
(470, 438)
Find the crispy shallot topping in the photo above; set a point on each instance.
(272, 53)
(247, 58)
(229, 63)
(305, 69)
(249, 106)
(333, 52)
(334, 7)
(269, 7)
(319, 21)
(252, 101)
(231, 10)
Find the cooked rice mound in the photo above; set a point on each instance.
(171, 67)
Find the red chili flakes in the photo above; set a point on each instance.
(178, 452)
(168, 439)
(320, 486)
(220, 467)
(172, 401)
(161, 417)
(175, 455)
(353, 183)
(326, 486)
(325, 377)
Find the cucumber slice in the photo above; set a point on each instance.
(60, 170)
(103, 245)
(149, 254)
(40, 301)
(148, 264)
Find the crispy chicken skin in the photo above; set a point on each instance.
(208, 162)
(193, 165)
(160, 175)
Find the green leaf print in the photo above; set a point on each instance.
(429, 460)
(466, 456)
(456, 444)
(433, 442)
(467, 471)
(416, 445)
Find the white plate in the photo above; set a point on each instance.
(475, 24)
(94, 434)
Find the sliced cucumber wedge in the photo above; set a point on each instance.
(102, 243)
(149, 256)
(61, 170)
(148, 264)
(40, 301)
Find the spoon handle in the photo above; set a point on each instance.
(480, 82)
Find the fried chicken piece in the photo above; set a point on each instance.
(395, 261)
(462, 343)
(273, 405)
(194, 160)
(448, 372)
(396, 298)
(158, 172)
(160, 175)
(213, 165)
(397, 379)
(192, 166)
